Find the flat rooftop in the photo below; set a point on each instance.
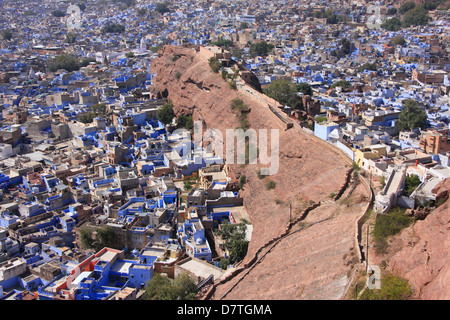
(107, 256)
(239, 213)
(122, 266)
(201, 269)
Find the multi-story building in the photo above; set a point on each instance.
(435, 141)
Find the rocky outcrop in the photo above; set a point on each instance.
(309, 171)
(424, 258)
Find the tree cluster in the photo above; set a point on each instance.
(162, 7)
(166, 113)
(113, 28)
(412, 116)
(398, 40)
(161, 287)
(68, 63)
(392, 288)
(285, 92)
(71, 37)
(344, 84)
(58, 13)
(215, 64)
(6, 34)
(105, 237)
(346, 47)
(261, 48)
(234, 238)
(124, 3)
(97, 110)
(223, 43)
(368, 66)
(142, 12)
(327, 14)
(412, 15)
(186, 122)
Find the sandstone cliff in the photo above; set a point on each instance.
(309, 171)
(424, 255)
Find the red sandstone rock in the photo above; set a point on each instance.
(309, 171)
(425, 261)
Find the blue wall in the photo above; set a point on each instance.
(323, 132)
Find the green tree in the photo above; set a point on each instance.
(99, 109)
(113, 28)
(387, 225)
(184, 287)
(327, 14)
(270, 185)
(345, 49)
(124, 3)
(105, 238)
(242, 181)
(405, 7)
(331, 17)
(64, 61)
(432, 5)
(223, 263)
(86, 239)
(415, 17)
(341, 83)
(236, 53)
(234, 238)
(166, 113)
(71, 37)
(86, 61)
(184, 121)
(398, 40)
(346, 46)
(223, 43)
(232, 84)
(281, 90)
(96, 110)
(6, 34)
(129, 54)
(412, 116)
(261, 48)
(162, 7)
(320, 119)
(58, 13)
(304, 88)
(391, 11)
(411, 183)
(160, 287)
(215, 64)
(392, 288)
(393, 24)
(82, 6)
(368, 66)
(243, 25)
(142, 12)
(86, 117)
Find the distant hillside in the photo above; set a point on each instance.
(310, 170)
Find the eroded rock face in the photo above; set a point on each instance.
(424, 259)
(309, 171)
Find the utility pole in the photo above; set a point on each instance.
(290, 212)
